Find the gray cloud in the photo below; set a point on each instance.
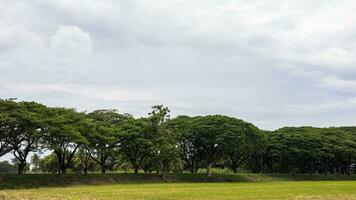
(274, 63)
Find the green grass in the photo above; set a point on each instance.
(14, 181)
(302, 190)
(177, 186)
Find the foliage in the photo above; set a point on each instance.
(64, 134)
(136, 142)
(83, 142)
(7, 168)
(105, 136)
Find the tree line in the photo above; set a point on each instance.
(105, 140)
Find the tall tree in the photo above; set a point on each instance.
(103, 141)
(207, 132)
(35, 163)
(185, 141)
(83, 161)
(28, 133)
(165, 150)
(136, 142)
(238, 141)
(6, 127)
(64, 134)
(24, 122)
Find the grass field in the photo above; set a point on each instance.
(143, 187)
(195, 191)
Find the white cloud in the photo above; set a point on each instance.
(274, 63)
(71, 41)
(91, 92)
(337, 83)
(17, 38)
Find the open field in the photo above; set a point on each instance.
(328, 190)
(177, 186)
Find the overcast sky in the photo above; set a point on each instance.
(273, 63)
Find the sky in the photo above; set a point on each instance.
(274, 63)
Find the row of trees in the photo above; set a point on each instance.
(107, 140)
(311, 150)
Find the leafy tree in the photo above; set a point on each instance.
(16, 162)
(111, 140)
(274, 152)
(64, 134)
(49, 163)
(83, 161)
(24, 122)
(28, 132)
(342, 144)
(136, 142)
(181, 126)
(238, 141)
(164, 150)
(6, 125)
(294, 147)
(36, 163)
(310, 150)
(207, 136)
(103, 141)
(7, 168)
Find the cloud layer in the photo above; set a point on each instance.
(274, 63)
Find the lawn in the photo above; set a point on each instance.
(299, 190)
(177, 186)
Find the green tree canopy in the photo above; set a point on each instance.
(64, 134)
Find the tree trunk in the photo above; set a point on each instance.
(348, 167)
(208, 169)
(102, 168)
(64, 170)
(21, 167)
(193, 167)
(103, 158)
(62, 166)
(312, 168)
(325, 169)
(233, 166)
(191, 170)
(162, 167)
(234, 169)
(85, 170)
(137, 165)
